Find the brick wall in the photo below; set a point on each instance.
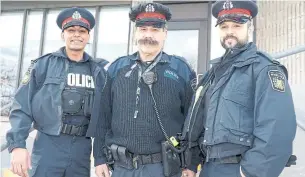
(280, 26)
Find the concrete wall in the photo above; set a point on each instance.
(280, 25)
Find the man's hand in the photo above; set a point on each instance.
(102, 171)
(188, 173)
(20, 162)
(241, 173)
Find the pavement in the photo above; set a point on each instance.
(293, 171)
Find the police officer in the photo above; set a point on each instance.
(244, 103)
(61, 93)
(150, 95)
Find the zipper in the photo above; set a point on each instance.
(194, 105)
(106, 78)
(204, 89)
(208, 147)
(197, 104)
(62, 89)
(138, 91)
(208, 153)
(225, 56)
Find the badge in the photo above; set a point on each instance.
(278, 80)
(227, 5)
(76, 15)
(150, 8)
(171, 75)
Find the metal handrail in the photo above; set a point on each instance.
(289, 52)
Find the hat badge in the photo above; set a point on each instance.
(76, 15)
(227, 5)
(149, 8)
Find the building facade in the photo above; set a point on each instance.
(28, 30)
(31, 31)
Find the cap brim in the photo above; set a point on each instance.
(76, 23)
(234, 18)
(225, 20)
(157, 23)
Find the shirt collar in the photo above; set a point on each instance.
(164, 58)
(62, 53)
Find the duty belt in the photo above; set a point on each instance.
(129, 160)
(226, 160)
(74, 130)
(147, 159)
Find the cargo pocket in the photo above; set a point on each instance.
(47, 100)
(236, 112)
(73, 102)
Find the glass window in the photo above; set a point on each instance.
(32, 39)
(9, 54)
(113, 33)
(53, 39)
(89, 46)
(183, 43)
(216, 49)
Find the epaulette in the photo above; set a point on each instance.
(101, 61)
(27, 76)
(184, 61)
(116, 60)
(268, 57)
(35, 60)
(275, 62)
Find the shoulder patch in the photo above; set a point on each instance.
(278, 80)
(27, 77)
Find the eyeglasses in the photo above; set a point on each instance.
(238, 18)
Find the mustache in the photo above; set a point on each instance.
(230, 36)
(148, 41)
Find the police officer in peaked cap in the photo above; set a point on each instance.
(146, 87)
(246, 110)
(58, 95)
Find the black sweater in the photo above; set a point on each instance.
(172, 92)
